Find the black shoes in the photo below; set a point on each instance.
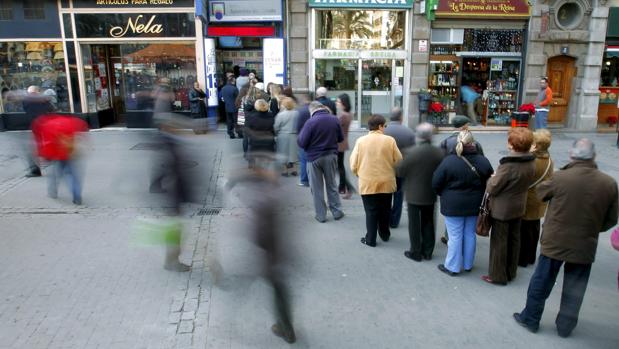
(286, 334)
(523, 324)
(442, 268)
(385, 238)
(365, 242)
(413, 256)
(34, 173)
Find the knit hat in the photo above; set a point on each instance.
(459, 121)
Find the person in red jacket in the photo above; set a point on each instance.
(542, 104)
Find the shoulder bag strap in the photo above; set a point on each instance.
(543, 175)
(470, 166)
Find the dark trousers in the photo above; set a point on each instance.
(344, 184)
(575, 279)
(421, 230)
(398, 200)
(231, 123)
(504, 250)
(529, 236)
(377, 210)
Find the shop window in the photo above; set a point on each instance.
(23, 64)
(34, 9)
(6, 10)
(491, 40)
(341, 29)
(610, 69)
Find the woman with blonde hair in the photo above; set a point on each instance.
(535, 208)
(460, 181)
(275, 90)
(285, 128)
(259, 129)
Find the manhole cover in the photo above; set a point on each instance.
(147, 146)
(211, 211)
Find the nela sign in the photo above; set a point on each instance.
(137, 26)
(362, 3)
(483, 8)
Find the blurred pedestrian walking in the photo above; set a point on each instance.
(404, 138)
(461, 180)
(582, 204)
(34, 104)
(415, 173)
(507, 191)
(373, 159)
(319, 138)
(259, 130)
(229, 94)
(197, 107)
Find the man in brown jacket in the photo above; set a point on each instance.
(583, 203)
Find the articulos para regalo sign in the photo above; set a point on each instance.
(362, 4)
(483, 8)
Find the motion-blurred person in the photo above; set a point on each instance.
(259, 130)
(304, 115)
(461, 180)
(35, 104)
(56, 138)
(373, 159)
(582, 204)
(415, 172)
(229, 95)
(285, 128)
(197, 107)
(319, 138)
(536, 208)
(260, 190)
(321, 96)
(404, 138)
(471, 98)
(507, 191)
(342, 103)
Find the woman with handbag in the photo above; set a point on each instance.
(507, 191)
(460, 181)
(536, 208)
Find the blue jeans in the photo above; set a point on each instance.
(304, 179)
(461, 244)
(396, 208)
(60, 168)
(575, 280)
(541, 119)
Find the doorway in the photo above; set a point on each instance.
(561, 71)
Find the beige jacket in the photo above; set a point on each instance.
(373, 160)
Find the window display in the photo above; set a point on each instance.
(24, 64)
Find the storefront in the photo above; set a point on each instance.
(31, 53)
(476, 47)
(608, 110)
(362, 48)
(125, 50)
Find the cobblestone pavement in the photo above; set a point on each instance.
(73, 277)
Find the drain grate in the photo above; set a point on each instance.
(211, 211)
(147, 146)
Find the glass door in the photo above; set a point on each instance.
(380, 80)
(338, 76)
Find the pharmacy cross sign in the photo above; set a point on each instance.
(362, 4)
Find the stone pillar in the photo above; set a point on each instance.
(298, 45)
(419, 63)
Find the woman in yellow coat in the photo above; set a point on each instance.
(373, 160)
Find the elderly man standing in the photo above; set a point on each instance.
(404, 138)
(583, 203)
(321, 96)
(319, 138)
(373, 160)
(416, 170)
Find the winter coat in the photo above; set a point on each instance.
(536, 208)
(345, 120)
(508, 187)
(259, 129)
(373, 159)
(285, 128)
(416, 169)
(197, 106)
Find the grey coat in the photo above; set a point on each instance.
(286, 135)
(416, 169)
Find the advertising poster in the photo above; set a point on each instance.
(273, 60)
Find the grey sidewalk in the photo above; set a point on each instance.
(71, 278)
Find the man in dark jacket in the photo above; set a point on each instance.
(228, 96)
(319, 138)
(583, 203)
(404, 138)
(416, 169)
(321, 96)
(35, 104)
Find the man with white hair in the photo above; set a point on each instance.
(416, 170)
(35, 104)
(321, 96)
(583, 203)
(319, 138)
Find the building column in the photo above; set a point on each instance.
(419, 63)
(297, 23)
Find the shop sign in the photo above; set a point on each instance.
(245, 10)
(362, 3)
(273, 61)
(131, 3)
(134, 25)
(211, 71)
(354, 54)
(484, 8)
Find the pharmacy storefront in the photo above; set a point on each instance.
(362, 49)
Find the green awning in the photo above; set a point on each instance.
(613, 23)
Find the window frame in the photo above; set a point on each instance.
(6, 6)
(34, 6)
